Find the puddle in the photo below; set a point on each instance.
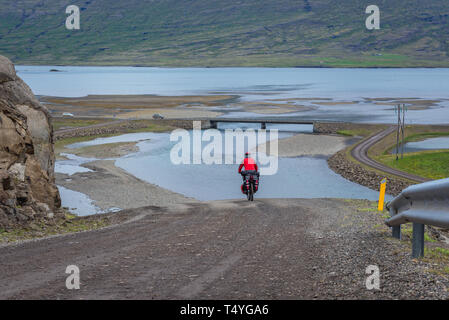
(80, 204)
(77, 202)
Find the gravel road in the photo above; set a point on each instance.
(360, 153)
(267, 249)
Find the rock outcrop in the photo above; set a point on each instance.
(27, 184)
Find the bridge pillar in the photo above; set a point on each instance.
(263, 125)
(213, 124)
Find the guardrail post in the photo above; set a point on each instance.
(396, 232)
(418, 240)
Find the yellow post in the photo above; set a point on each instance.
(383, 186)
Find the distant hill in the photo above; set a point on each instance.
(227, 33)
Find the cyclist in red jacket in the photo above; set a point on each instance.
(251, 168)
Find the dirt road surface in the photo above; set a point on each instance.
(268, 249)
(360, 153)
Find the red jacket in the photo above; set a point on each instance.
(249, 165)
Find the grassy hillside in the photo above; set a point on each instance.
(226, 33)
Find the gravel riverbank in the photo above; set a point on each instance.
(307, 145)
(368, 178)
(112, 187)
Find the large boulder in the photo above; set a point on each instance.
(27, 183)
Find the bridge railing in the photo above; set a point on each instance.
(422, 204)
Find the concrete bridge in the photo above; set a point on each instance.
(263, 121)
(319, 126)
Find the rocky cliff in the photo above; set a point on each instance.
(27, 185)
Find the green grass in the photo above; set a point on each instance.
(74, 123)
(151, 128)
(271, 33)
(432, 164)
(439, 259)
(355, 132)
(429, 164)
(425, 135)
(407, 231)
(437, 252)
(417, 137)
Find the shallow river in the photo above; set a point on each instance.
(299, 177)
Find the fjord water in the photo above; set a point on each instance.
(307, 82)
(261, 84)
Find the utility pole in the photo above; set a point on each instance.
(402, 130)
(398, 108)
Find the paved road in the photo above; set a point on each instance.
(268, 249)
(360, 153)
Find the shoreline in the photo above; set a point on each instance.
(111, 187)
(140, 106)
(302, 144)
(318, 66)
(128, 107)
(145, 106)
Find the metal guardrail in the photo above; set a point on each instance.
(423, 204)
